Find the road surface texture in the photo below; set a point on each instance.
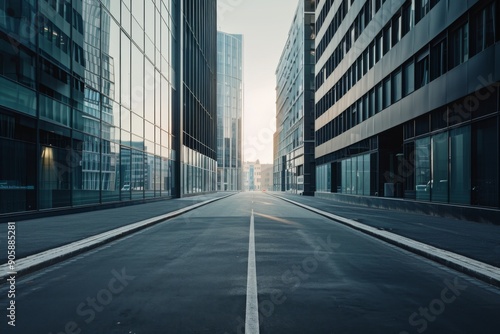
(191, 274)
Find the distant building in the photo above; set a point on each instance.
(407, 100)
(229, 111)
(294, 165)
(257, 176)
(266, 177)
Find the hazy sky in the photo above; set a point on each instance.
(264, 25)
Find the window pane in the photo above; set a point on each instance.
(438, 59)
(387, 93)
(137, 92)
(125, 71)
(358, 175)
(485, 164)
(407, 20)
(397, 82)
(422, 71)
(387, 39)
(439, 181)
(408, 78)
(460, 180)
(366, 175)
(422, 169)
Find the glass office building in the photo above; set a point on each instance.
(199, 97)
(293, 158)
(407, 100)
(229, 111)
(90, 105)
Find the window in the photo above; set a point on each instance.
(365, 107)
(438, 59)
(360, 68)
(460, 175)
(408, 78)
(439, 181)
(421, 9)
(407, 19)
(422, 70)
(371, 108)
(459, 45)
(387, 93)
(360, 110)
(397, 83)
(354, 118)
(378, 98)
(484, 29)
(378, 48)
(423, 169)
(484, 163)
(371, 55)
(387, 38)
(365, 62)
(396, 30)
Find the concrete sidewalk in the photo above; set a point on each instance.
(478, 241)
(37, 235)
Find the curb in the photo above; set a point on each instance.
(485, 272)
(49, 257)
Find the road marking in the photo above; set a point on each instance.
(252, 311)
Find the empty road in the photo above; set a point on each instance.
(251, 261)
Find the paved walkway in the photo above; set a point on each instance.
(37, 235)
(479, 241)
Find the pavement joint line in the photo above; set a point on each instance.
(483, 271)
(252, 304)
(49, 257)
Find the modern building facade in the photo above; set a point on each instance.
(95, 94)
(199, 96)
(229, 111)
(407, 100)
(294, 165)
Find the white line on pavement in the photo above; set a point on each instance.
(252, 310)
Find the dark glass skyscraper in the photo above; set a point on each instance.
(101, 101)
(407, 100)
(199, 96)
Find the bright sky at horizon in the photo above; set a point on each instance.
(264, 25)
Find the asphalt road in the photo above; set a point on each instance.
(189, 275)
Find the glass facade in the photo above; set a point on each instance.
(199, 97)
(229, 111)
(294, 169)
(87, 105)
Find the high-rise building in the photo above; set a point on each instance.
(294, 164)
(105, 101)
(229, 111)
(407, 100)
(199, 96)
